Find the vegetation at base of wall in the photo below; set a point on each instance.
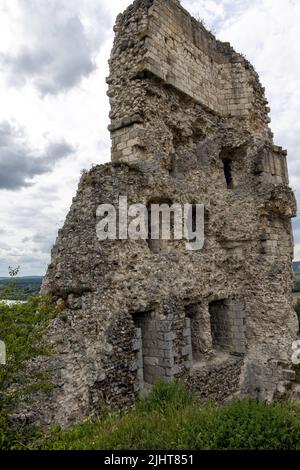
(170, 418)
(22, 327)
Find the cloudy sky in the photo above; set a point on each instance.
(54, 108)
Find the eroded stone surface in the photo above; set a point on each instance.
(189, 124)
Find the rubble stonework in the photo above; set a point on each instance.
(189, 124)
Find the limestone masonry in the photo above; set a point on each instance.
(189, 124)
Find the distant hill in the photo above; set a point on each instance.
(296, 267)
(24, 287)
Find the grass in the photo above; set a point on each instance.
(170, 418)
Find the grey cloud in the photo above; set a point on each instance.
(29, 265)
(44, 242)
(59, 51)
(4, 245)
(19, 163)
(214, 13)
(57, 150)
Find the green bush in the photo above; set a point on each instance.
(171, 419)
(22, 329)
(251, 425)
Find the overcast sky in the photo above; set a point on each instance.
(54, 108)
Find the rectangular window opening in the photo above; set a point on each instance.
(227, 319)
(228, 172)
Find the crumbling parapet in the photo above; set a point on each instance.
(159, 38)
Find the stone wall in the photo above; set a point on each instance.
(160, 37)
(133, 312)
(218, 381)
(185, 55)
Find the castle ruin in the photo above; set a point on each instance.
(189, 125)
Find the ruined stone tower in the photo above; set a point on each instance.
(189, 124)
